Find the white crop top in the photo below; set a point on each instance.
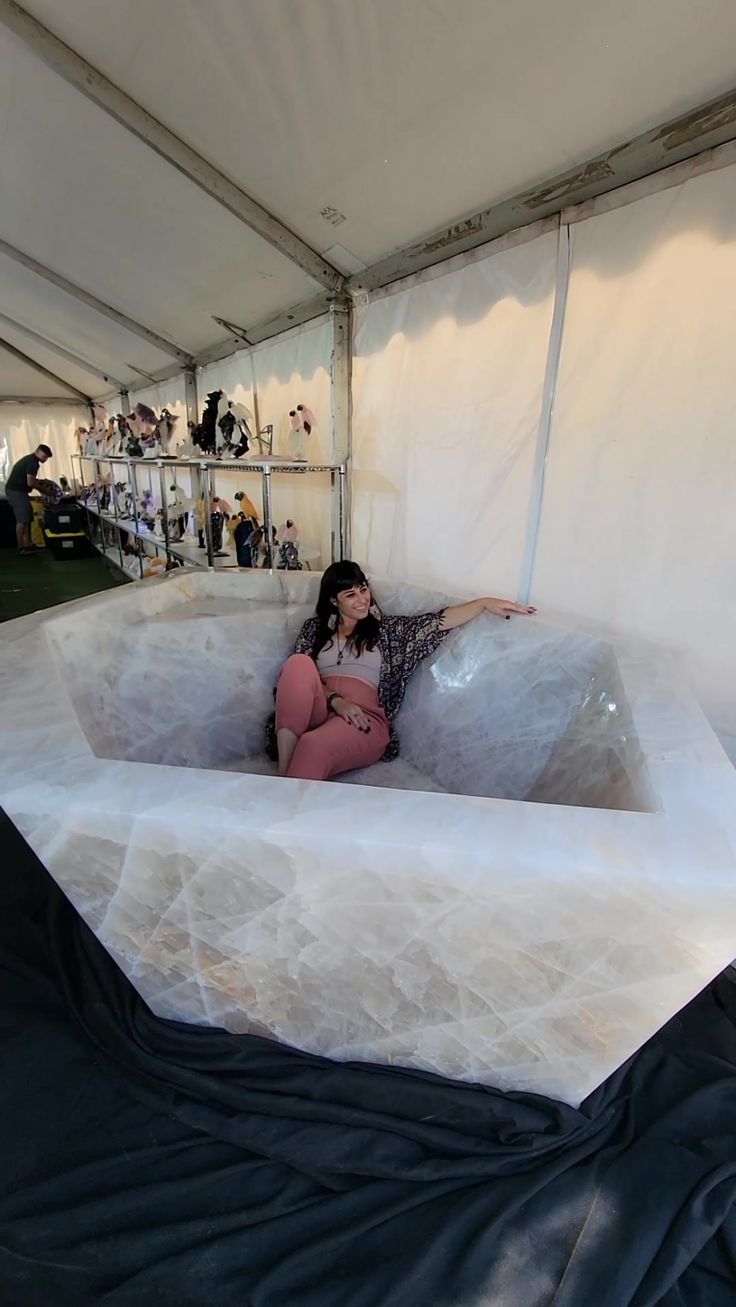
(366, 666)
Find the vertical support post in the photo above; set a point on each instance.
(343, 513)
(79, 487)
(97, 474)
(134, 492)
(334, 518)
(190, 395)
(114, 498)
(125, 402)
(191, 404)
(342, 418)
(267, 513)
(254, 389)
(163, 491)
(197, 491)
(340, 382)
(207, 492)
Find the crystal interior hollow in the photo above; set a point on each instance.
(534, 887)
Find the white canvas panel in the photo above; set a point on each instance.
(447, 386)
(638, 529)
(234, 375)
(23, 427)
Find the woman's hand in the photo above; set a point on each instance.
(505, 607)
(459, 614)
(350, 712)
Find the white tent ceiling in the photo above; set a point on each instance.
(360, 126)
(19, 378)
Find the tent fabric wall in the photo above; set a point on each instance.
(234, 375)
(166, 394)
(447, 394)
(24, 426)
(637, 533)
(638, 530)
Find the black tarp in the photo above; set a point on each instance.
(150, 1162)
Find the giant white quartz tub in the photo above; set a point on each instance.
(542, 879)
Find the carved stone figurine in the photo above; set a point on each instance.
(144, 425)
(199, 521)
(217, 520)
(179, 508)
(301, 422)
(246, 505)
(134, 448)
(147, 510)
(219, 510)
(244, 528)
(307, 416)
(165, 431)
(288, 539)
(233, 423)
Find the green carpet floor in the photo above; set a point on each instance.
(39, 581)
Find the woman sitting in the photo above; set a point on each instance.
(339, 693)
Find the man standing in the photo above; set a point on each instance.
(20, 483)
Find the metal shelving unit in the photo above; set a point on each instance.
(202, 474)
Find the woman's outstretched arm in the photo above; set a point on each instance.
(459, 614)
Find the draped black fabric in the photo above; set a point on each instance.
(151, 1162)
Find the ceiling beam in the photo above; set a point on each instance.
(61, 351)
(681, 138)
(84, 296)
(86, 78)
(38, 367)
(47, 401)
(268, 327)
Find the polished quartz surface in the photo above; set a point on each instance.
(541, 880)
(522, 711)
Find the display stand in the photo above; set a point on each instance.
(107, 526)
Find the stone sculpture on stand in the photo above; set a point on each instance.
(124, 432)
(233, 428)
(147, 510)
(90, 444)
(188, 448)
(179, 507)
(288, 542)
(299, 428)
(246, 504)
(199, 521)
(242, 533)
(165, 432)
(122, 498)
(205, 435)
(217, 521)
(225, 429)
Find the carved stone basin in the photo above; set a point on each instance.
(533, 888)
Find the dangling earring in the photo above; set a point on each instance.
(332, 621)
(375, 611)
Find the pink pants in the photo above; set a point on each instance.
(327, 745)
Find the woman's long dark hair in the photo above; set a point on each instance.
(337, 578)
